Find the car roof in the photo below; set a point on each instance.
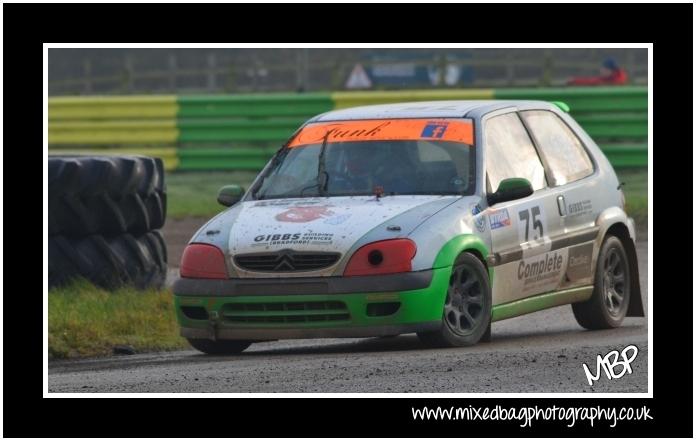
(426, 109)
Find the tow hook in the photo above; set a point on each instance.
(213, 324)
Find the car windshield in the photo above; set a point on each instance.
(345, 165)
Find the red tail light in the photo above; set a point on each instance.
(383, 257)
(202, 261)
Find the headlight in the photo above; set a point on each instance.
(203, 261)
(382, 257)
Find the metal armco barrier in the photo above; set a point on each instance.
(226, 132)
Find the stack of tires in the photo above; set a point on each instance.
(104, 216)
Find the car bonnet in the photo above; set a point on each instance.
(321, 224)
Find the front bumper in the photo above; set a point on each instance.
(285, 334)
(270, 309)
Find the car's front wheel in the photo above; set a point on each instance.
(219, 347)
(466, 317)
(612, 289)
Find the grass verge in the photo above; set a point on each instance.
(195, 193)
(86, 321)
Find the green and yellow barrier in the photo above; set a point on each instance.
(225, 132)
(585, 99)
(244, 106)
(78, 108)
(343, 100)
(113, 132)
(217, 158)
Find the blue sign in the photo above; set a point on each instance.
(434, 130)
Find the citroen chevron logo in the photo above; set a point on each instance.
(285, 264)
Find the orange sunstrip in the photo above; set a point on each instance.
(387, 130)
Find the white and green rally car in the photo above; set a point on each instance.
(431, 217)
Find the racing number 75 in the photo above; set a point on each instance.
(536, 223)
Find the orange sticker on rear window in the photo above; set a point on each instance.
(387, 130)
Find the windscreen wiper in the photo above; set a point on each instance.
(321, 186)
(322, 167)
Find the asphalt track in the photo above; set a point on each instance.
(540, 352)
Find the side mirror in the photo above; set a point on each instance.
(230, 195)
(511, 189)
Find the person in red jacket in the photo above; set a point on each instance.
(610, 74)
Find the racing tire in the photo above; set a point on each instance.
(466, 317)
(612, 289)
(219, 347)
(108, 262)
(487, 336)
(105, 195)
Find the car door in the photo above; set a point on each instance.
(521, 230)
(569, 170)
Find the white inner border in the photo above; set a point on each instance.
(650, 310)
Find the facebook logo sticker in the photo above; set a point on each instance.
(434, 130)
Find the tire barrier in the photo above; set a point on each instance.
(104, 216)
(108, 261)
(105, 195)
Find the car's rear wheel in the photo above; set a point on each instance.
(219, 347)
(612, 289)
(466, 316)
